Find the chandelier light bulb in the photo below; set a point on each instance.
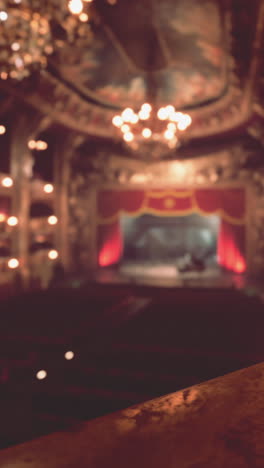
(127, 114)
(146, 133)
(168, 134)
(143, 114)
(125, 128)
(117, 121)
(171, 126)
(2, 129)
(170, 110)
(75, 6)
(162, 113)
(128, 137)
(134, 119)
(182, 125)
(176, 117)
(146, 107)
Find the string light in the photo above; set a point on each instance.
(2, 129)
(2, 217)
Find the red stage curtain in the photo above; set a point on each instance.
(110, 244)
(231, 247)
(229, 204)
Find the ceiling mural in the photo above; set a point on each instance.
(203, 56)
(185, 63)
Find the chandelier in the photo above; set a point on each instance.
(30, 30)
(164, 126)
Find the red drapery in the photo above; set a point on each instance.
(229, 204)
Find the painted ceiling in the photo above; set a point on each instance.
(169, 51)
(202, 56)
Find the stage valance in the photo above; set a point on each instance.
(229, 204)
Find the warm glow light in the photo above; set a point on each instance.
(148, 128)
(182, 125)
(117, 121)
(48, 188)
(3, 15)
(52, 219)
(7, 182)
(13, 263)
(172, 127)
(146, 133)
(84, 17)
(69, 355)
(173, 142)
(15, 46)
(2, 217)
(170, 110)
(12, 221)
(32, 144)
(162, 113)
(168, 134)
(41, 374)
(125, 128)
(143, 114)
(134, 119)
(127, 114)
(75, 6)
(41, 145)
(178, 170)
(176, 117)
(146, 107)
(128, 136)
(2, 129)
(53, 254)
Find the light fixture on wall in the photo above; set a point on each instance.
(164, 126)
(30, 30)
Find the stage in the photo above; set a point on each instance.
(167, 275)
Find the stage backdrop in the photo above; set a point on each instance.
(228, 204)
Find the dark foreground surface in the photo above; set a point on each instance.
(130, 344)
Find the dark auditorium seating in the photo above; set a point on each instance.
(130, 343)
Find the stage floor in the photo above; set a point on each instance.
(167, 275)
